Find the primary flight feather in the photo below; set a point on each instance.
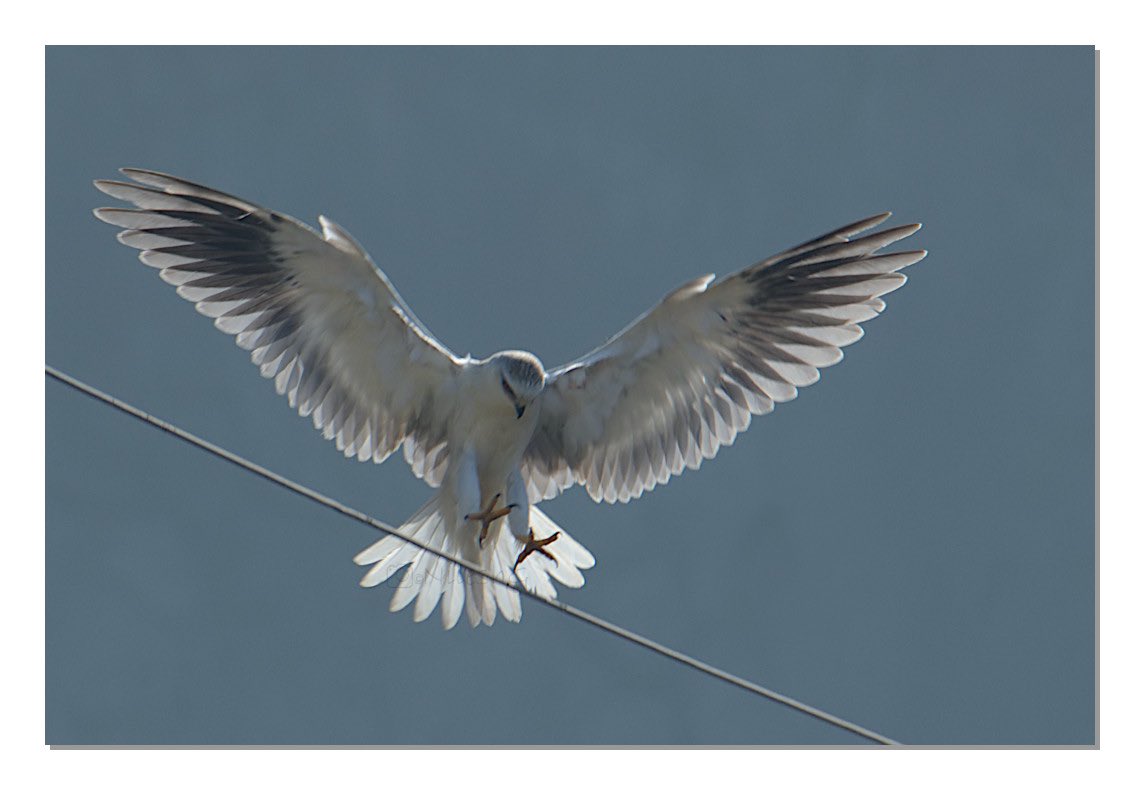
(498, 435)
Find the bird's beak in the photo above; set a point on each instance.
(519, 409)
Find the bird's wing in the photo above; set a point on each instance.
(314, 311)
(687, 376)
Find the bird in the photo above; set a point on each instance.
(496, 437)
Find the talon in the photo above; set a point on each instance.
(489, 515)
(531, 545)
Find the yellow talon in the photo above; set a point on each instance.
(489, 516)
(531, 545)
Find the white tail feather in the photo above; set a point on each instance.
(431, 581)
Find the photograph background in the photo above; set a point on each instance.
(908, 544)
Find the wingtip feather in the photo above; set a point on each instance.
(105, 185)
(131, 172)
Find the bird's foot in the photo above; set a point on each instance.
(530, 545)
(489, 516)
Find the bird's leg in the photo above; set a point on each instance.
(530, 545)
(489, 516)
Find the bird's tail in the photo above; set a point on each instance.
(431, 581)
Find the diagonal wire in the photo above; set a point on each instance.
(586, 617)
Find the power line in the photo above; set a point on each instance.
(586, 617)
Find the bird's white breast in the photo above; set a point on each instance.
(486, 424)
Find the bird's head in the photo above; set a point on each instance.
(521, 378)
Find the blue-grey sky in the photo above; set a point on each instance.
(909, 544)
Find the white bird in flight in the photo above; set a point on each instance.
(496, 436)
